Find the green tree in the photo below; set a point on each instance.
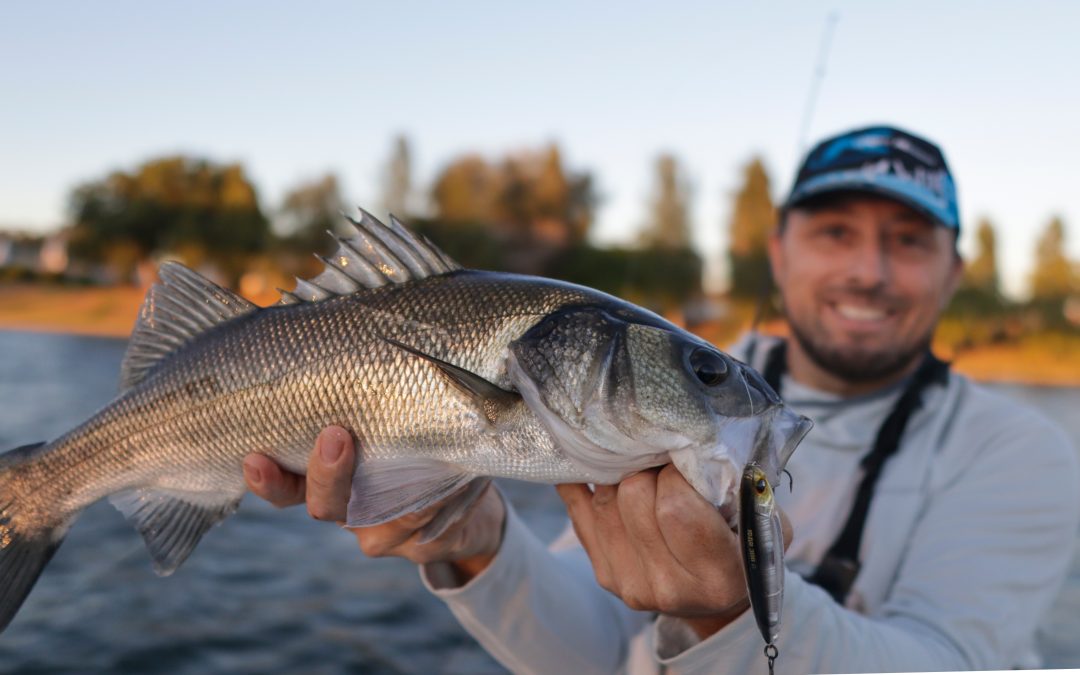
(184, 205)
(466, 191)
(308, 212)
(1053, 277)
(526, 197)
(669, 222)
(979, 297)
(982, 272)
(752, 219)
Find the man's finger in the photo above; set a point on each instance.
(330, 472)
(637, 507)
(578, 499)
(267, 480)
(690, 525)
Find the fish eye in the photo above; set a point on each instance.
(709, 367)
(760, 486)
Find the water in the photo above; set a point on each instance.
(268, 591)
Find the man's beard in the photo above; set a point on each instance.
(853, 365)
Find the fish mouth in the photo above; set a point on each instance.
(768, 441)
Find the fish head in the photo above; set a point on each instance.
(623, 390)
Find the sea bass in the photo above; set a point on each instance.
(446, 377)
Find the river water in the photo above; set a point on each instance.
(268, 591)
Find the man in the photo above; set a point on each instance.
(933, 520)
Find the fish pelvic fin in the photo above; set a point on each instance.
(374, 255)
(25, 546)
(172, 522)
(454, 510)
(177, 310)
(385, 489)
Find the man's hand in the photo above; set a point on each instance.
(659, 546)
(469, 544)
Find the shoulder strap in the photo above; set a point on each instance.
(931, 371)
(775, 364)
(838, 570)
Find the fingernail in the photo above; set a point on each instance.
(252, 473)
(331, 448)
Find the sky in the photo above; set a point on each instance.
(294, 90)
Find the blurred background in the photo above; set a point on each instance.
(633, 147)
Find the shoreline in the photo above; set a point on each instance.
(111, 312)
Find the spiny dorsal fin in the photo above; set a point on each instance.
(183, 305)
(374, 255)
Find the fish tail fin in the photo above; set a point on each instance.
(26, 545)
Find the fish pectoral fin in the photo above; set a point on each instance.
(455, 509)
(172, 522)
(385, 489)
(489, 397)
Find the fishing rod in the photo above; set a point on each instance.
(816, 80)
(769, 632)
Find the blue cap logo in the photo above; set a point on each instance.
(881, 160)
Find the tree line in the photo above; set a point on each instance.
(526, 211)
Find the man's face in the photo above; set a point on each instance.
(863, 281)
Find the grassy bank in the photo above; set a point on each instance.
(1038, 359)
(107, 311)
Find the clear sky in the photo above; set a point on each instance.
(297, 89)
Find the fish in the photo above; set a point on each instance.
(447, 377)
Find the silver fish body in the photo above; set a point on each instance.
(445, 376)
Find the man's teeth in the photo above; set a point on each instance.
(860, 313)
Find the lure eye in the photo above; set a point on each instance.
(709, 367)
(760, 486)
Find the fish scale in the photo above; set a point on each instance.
(445, 376)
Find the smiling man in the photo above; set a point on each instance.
(933, 519)
(865, 258)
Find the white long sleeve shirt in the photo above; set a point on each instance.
(969, 536)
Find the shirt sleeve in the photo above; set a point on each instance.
(985, 562)
(536, 610)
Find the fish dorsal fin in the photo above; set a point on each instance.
(374, 255)
(182, 306)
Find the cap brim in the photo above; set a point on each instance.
(801, 196)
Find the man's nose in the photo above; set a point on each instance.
(869, 266)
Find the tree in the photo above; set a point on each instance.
(752, 219)
(979, 297)
(466, 191)
(982, 273)
(527, 197)
(669, 223)
(191, 206)
(309, 211)
(1053, 278)
(397, 182)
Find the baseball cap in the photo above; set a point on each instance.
(882, 160)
